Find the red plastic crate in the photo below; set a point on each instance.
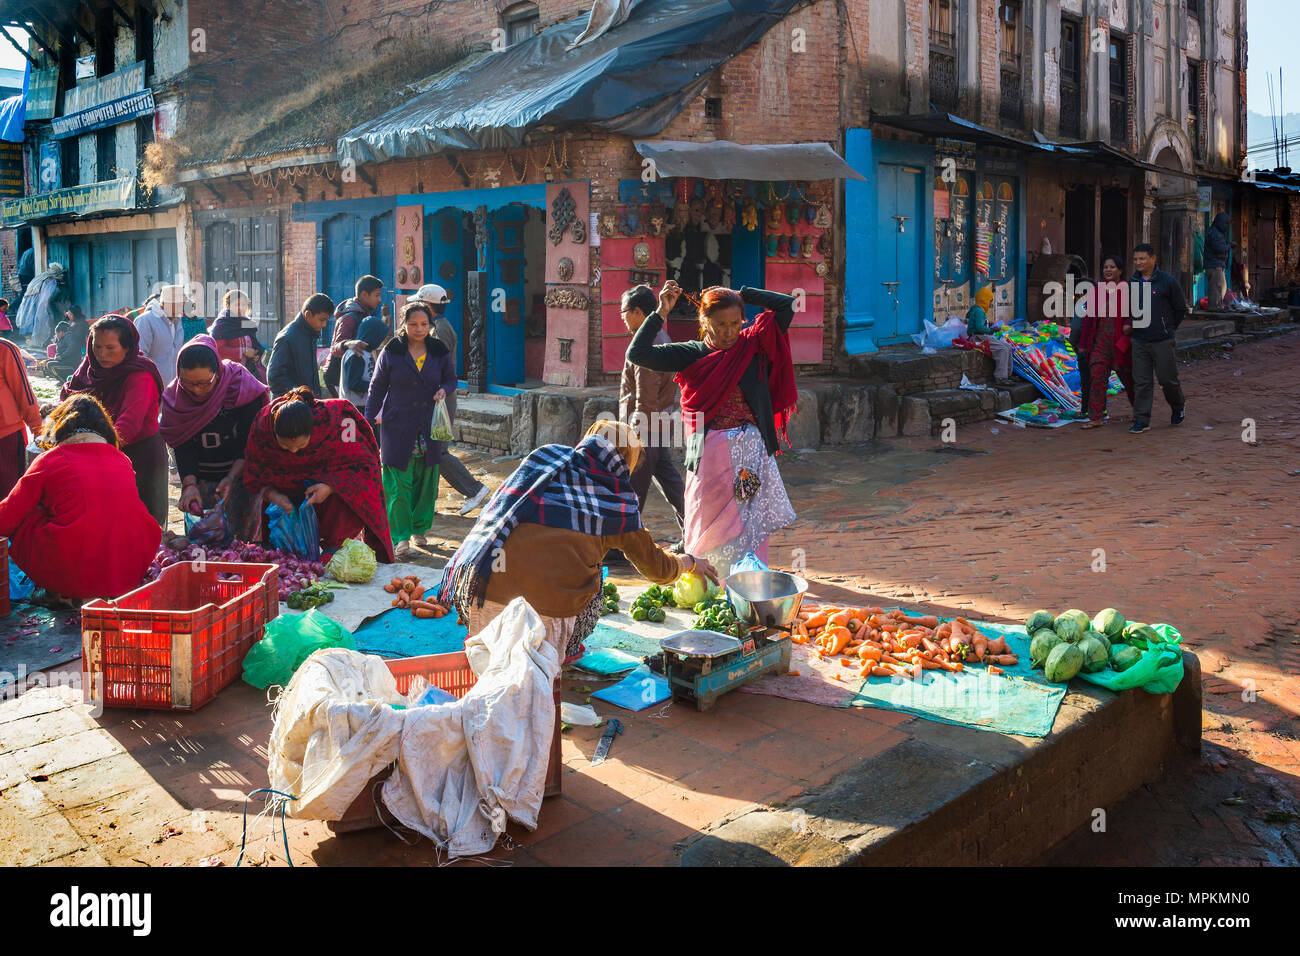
(450, 672)
(176, 642)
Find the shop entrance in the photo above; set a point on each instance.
(1080, 218)
(517, 296)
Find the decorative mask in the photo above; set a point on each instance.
(771, 243)
(736, 188)
(806, 247)
(697, 211)
(749, 217)
(792, 212)
(681, 214)
(630, 224)
(822, 269)
(728, 216)
(774, 218)
(658, 211)
(609, 224)
(714, 214)
(823, 245)
(564, 269)
(809, 213)
(641, 254)
(823, 218)
(658, 225)
(794, 247)
(714, 190)
(782, 247)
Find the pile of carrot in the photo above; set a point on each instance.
(891, 643)
(410, 594)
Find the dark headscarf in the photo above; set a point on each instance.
(108, 384)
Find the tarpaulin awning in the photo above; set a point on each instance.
(726, 160)
(632, 79)
(950, 126)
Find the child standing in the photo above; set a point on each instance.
(6, 327)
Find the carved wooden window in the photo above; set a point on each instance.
(943, 54)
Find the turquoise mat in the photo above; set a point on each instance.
(1020, 702)
(399, 633)
(606, 636)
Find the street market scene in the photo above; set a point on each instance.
(649, 433)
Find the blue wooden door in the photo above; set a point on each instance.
(144, 258)
(444, 266)
(383, 254)
(505, 352)
(116, 283)
(896, 289)
(344, 237)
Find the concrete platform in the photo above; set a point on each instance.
(952, 795)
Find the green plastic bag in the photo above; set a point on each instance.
(289, 640)
(1159, 671)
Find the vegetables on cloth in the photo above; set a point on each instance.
(410, 596)
(1124, 657)
(689, 589)
(1096, 655)
(1069, 627)
(354, 562)
(649, 604)
(1110, 622)
(1063, 663)
(1041, 644)
(718, 615)
(1039, 620)
(609, 598)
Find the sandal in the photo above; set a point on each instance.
(1092, 424)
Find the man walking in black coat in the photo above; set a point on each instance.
(1158, 307)
(293, 356)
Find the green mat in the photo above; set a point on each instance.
(1020, 702)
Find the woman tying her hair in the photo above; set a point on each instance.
(322, 451)
(75, 522)
(738, 395)
(543, 536)
(207, 413)
(129, 386)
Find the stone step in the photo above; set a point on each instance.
(1203, 330)
(484, 422)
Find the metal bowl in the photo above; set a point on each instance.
(765, 598)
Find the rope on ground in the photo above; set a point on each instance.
(271, 806)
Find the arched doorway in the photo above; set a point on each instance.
(1172, 219)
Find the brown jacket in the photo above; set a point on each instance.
(644, 390)
(557, 571)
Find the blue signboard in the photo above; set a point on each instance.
(109, 114)
(75, 200)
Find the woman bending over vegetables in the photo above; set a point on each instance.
(207, 412)
(543, 536)
(321, 451)
(738, 395)
(74, 521)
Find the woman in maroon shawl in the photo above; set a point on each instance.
(323, 451)
(1104, 339)
(129, 386)
(738, 395)
(208, 411)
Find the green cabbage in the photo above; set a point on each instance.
(689, 590)
(354, 563)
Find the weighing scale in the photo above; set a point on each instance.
(701, 666)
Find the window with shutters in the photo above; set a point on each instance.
(1119, 90)
(943, 54)
(1011, 106)
(520, 22)
(1071, 118)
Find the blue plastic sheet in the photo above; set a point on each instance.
(1020, 702)
(637, 691)
(20, 585)
(399, 633)
(607, 661)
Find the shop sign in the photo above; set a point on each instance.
(75, 200)
(42, 94)
(941, 204)
(109, 100)
(1204, 198)
(11, 169)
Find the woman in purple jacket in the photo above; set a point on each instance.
(414, 372)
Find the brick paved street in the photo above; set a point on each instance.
(1197, 530)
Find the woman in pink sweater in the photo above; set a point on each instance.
(130, 387)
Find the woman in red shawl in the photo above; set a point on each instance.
(1104, 339)
(738, 395)
(130, 387)
(207, 414)
(322, 451)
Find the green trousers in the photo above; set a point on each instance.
(411, 496)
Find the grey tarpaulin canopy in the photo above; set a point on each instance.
(632, 79)
(726, 160)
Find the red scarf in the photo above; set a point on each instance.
(109, 384)
(708, 381)
(345, 458)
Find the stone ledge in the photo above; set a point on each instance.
(952, 795)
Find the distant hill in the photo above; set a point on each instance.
(1259, 139)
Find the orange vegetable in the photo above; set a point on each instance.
(817, 620)
(846, 662)
(868, 653)
(425, 612)
(837, 638)
(1009, 660)
(840, 619)
(995, 670)
(882, 671)
(396, 583)
(390, 589)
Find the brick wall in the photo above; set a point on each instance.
(989, 88)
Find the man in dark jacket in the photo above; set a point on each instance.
(645, 399)
(1158, 307)
(1217, 249)
(347, 319)
(293, 356)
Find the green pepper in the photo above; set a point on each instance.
(657, 615)
(639, 614)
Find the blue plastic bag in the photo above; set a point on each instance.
(210, 529)
(20, 585)
(749, 562)
(296, 532)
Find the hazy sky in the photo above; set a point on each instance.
(9, 57)
(1271, 30)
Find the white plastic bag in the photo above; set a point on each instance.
(580, 715)
(940, 336)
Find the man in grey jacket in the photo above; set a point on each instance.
(162, 329)
(457, 475)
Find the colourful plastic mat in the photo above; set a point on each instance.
(399, 633)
